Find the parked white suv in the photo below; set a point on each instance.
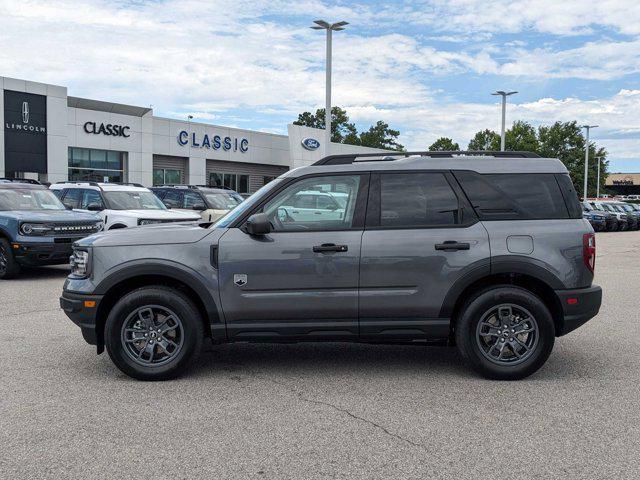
(120, 205)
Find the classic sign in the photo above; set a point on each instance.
(215, 142)
(107, 129)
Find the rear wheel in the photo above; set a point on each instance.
(153, 333)
(505, 333)
(9, 268)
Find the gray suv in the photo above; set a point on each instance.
(485, 251)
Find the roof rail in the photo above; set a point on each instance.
(391, 156)
(80, 182)
(20, 180)
(176, 185)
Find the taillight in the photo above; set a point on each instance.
(589, 250)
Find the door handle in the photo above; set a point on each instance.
(452, 245)
(330, 247)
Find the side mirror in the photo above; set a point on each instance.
(199, 207)
(94, 207)
(258, 224)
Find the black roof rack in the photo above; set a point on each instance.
(391, 156)
(20, 180)
(96, 184)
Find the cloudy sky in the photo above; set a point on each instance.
(425, 67)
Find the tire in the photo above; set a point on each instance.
(128, 333)
(477, 349)
(9, 268)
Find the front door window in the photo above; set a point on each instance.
(315, 204)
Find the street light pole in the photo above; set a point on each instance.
(598, 184)
(586, 157)
(504, 96)
(330, 28)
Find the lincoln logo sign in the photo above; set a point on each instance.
(310, 143)
(215, 142)
(107, 129)
(25, 112)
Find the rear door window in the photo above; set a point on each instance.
(72, 198)
(91, 197)
(173, 199)
(417, 200)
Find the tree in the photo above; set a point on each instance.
(342, 131)
(565, 141)
(444, 144)
(485, 140)
(521, 137)
(380, 136)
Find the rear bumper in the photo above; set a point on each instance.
(578, 306)
(77, 307)
(43, 253)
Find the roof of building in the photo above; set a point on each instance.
(100, 106)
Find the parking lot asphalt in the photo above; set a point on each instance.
(307, 411)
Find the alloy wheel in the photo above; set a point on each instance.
(152, 335)
(507, 334)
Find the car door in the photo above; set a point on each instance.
(421, 238)
(301, 279)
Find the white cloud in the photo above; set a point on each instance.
(567, 17)
(214, 58)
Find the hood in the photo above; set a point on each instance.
(160, 214)
(51, 216)
(161, 234)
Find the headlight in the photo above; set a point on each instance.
(99, 226)
(80, 262)
(33, 229)
(148, 222)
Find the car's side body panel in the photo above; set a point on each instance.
(404, 279)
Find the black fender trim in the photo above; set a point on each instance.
(497, 265)
(472, 273)
(527, 266)
(166, 268)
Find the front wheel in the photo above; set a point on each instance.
(153, 333)
(9, 268)
(505, 333)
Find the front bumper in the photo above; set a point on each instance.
(55, 252)
(578, 306)
(83, 311)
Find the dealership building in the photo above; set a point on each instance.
(623, 183)
(51, 136)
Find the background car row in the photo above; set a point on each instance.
(611, 214)
(38, 225)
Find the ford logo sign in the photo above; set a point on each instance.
(310, 143)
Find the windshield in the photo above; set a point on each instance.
(29, 199)
(248, 204)
(136, 200)
(627, 208)
(223, 201)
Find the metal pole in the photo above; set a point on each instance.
(598, 185)
(327, 112)
(586, 161)
(504, 114)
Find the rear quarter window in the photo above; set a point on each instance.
(531, 196)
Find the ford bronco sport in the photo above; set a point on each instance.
(35, 228)
(485, 251)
